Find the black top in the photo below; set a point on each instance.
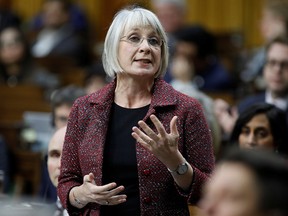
(120, 163)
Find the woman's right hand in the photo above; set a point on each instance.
(89, 192)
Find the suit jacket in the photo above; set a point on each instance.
(258, 98)
(159, 194)
(246, 102)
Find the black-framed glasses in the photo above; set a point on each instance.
(271, 63)
(136, 41)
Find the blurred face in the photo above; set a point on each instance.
(271, 25)
(185, 51)
(94, 84)
(11, 47)
(257, 134)
(54, 15)
(170, 16)
(276, 69)
(54, 155)
(232, 191)
(61, 115)
(139, 52)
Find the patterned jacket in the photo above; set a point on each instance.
(159, 194)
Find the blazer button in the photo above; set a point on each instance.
(147, 172)
(147, 200)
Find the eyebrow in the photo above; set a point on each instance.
(53, 151)
(137, 29)
(261, 128)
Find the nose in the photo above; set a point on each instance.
(278, 68)
(251, 140)
(144, 45)
(59, 163)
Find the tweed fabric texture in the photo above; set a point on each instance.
(159, 194)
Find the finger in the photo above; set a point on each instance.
(146, 144)
(148, 131)
(89, 178)
(113, 192)
(108, 187)
(173, 126)
(115, 200)
(140, 136)
(158, 125)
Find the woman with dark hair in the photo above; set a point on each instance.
(17, 66)
(261, 125)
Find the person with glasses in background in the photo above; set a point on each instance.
(61, 101)
(136, 146)
(275, 75)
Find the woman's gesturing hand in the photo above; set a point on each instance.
(104, 195)
(161, 144)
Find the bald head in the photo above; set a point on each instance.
(54, 154)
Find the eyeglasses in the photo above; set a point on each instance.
(283, 65)
(134, 40)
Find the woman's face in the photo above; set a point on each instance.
(257, 134)
(139, 52)
(11, 48)
(232, 191)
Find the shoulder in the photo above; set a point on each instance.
(165, 92)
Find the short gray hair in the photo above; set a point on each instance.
(127, 19)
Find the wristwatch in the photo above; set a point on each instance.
(181, 169)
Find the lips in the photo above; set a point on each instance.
(146, 61)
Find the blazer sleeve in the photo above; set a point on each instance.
(70, 174)
(198, 150)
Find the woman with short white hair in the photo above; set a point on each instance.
(136, 146)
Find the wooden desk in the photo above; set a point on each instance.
(14, 101)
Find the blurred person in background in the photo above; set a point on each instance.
(274, 23)
(62, 100)
(247, 183)
(77, 18)
(16, 65)
(275, 75)
(182, 71)
(198, 45)
(172, 14)
(58, 38)
(95, 78)
(53, 163)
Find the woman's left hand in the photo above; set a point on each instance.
(162, 144)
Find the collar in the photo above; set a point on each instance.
(280, 102)
(163, 94)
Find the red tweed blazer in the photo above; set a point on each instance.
(159, 195)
